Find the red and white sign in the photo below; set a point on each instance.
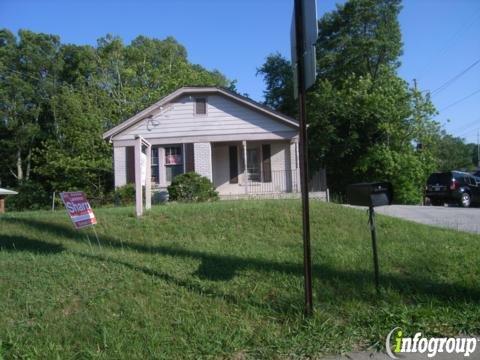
(78, 209)
(173, 159)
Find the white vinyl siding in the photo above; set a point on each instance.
(119, 165)
(224, 117)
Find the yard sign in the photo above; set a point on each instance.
(78, 209)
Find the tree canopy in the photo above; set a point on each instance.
(365, 122)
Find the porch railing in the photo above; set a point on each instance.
(279, 181)
(282, 181)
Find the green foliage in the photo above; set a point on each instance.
(360, 37)
(191, 187)
(407, 171)
(454, 154)
(277, 74)
(56, 100)
(360, 109)
(125, 195)
(31, 196)
(184, 273)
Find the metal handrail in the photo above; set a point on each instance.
(277, 181)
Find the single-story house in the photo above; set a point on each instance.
(242, 146)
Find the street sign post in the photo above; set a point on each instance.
(78, 208)
(303, 39)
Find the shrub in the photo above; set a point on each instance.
(31, 196)
(192, 187)
(125, 195)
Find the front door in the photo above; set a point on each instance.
(253, 164)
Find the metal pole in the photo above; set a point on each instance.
(303, 152)
(478, 148)
(96, 235)
(371, 220)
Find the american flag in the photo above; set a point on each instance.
(173, 159)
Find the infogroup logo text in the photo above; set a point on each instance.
(430, 346)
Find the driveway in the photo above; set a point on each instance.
(448, 217)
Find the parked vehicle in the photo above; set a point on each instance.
(453, 187)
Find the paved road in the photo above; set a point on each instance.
(449, 217)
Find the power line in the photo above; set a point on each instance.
(470, 127)
(474, 122)
(460, 100)
(453, 79)
(448, 43)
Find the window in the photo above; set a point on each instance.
(470, 180)
(173, 162)
(155, 174)
(200, 106)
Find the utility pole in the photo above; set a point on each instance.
(300, 51)
(478, 148)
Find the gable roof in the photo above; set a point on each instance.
(200, 90)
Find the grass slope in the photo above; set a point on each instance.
(225, 280)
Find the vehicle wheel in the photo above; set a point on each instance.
(465, 200)
(436, 202)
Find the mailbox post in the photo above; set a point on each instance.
(371, 194)
(371, 221)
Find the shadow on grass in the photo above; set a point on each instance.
(20, 243)
(346, 284)
(189, 285)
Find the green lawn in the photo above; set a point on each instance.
(225, 280)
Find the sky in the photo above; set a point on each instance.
(441, 39)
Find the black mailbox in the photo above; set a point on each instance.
(370, 194)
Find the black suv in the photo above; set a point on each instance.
(453, 187)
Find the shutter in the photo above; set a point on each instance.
(189, 158)
(267, 167)
(233, 160)
(130, 164)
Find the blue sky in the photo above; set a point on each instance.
(441, 38)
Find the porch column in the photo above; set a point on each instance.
(245, 171)
(148, 178)
(162, 171)
(138, 177)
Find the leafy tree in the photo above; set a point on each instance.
(364, 121)
(29, 68)
(454, 154)
(277, 74)
(360, 37)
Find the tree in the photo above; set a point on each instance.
(29, 68)
(454, 154)
(360, 37)
(277, 74)
(364, 121)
